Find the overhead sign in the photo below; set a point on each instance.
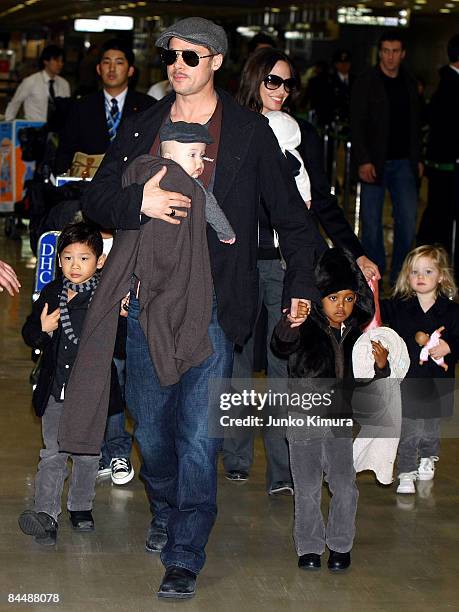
(104, 22)
(394, 18)
(116, 22)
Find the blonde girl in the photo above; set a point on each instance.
(422, 301)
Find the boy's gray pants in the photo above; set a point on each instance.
(310, 457)
(52, 470)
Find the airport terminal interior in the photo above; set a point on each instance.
(406, 549)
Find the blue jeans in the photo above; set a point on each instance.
(179, 460)
(400, 180)
(117, 441)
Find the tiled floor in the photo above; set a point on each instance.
(406, 554)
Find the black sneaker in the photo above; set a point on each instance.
(122, 470)
(281, 488)
(104, 470)
(39, 524)
(237, 476)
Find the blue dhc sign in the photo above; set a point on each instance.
(46, 261)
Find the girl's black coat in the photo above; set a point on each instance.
(38, 339)
(427, 391)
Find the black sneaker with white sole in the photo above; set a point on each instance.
(281, 488)
(122, 470)
(237, 476)
(104, 470)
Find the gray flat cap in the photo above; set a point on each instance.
(181, 131)
(198, 31)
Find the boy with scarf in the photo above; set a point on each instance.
(54, 327)
(321, 348)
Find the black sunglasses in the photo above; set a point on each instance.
(272, 81)
(191, 58)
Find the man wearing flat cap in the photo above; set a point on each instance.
(243, 163)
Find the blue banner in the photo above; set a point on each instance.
(46, 260)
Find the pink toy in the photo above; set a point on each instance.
(428, 342)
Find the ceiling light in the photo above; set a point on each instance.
(445, 10)
(389, 3)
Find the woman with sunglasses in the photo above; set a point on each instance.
(270, 82)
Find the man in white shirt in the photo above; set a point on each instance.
(38, 91)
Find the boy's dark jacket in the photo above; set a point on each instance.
(315, 352)
(38, 339)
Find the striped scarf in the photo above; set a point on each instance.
(89, 285)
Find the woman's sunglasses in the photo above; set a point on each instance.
(191, 58)
(272, 81)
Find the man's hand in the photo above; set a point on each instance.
(380, 353)
(369, 269)
(159, 204)
(8, 279)
(49, 322)
(367, 173)
(299, 311)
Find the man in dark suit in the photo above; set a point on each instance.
(243, 163)
(95, 119)
(443, 155)
(341, 81)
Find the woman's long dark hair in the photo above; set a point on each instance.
(256, 68)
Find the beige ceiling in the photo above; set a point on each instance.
(29, 13)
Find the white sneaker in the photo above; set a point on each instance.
(407, 482)
(122, 470)
(426, 470)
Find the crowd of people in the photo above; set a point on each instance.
(212, 207)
